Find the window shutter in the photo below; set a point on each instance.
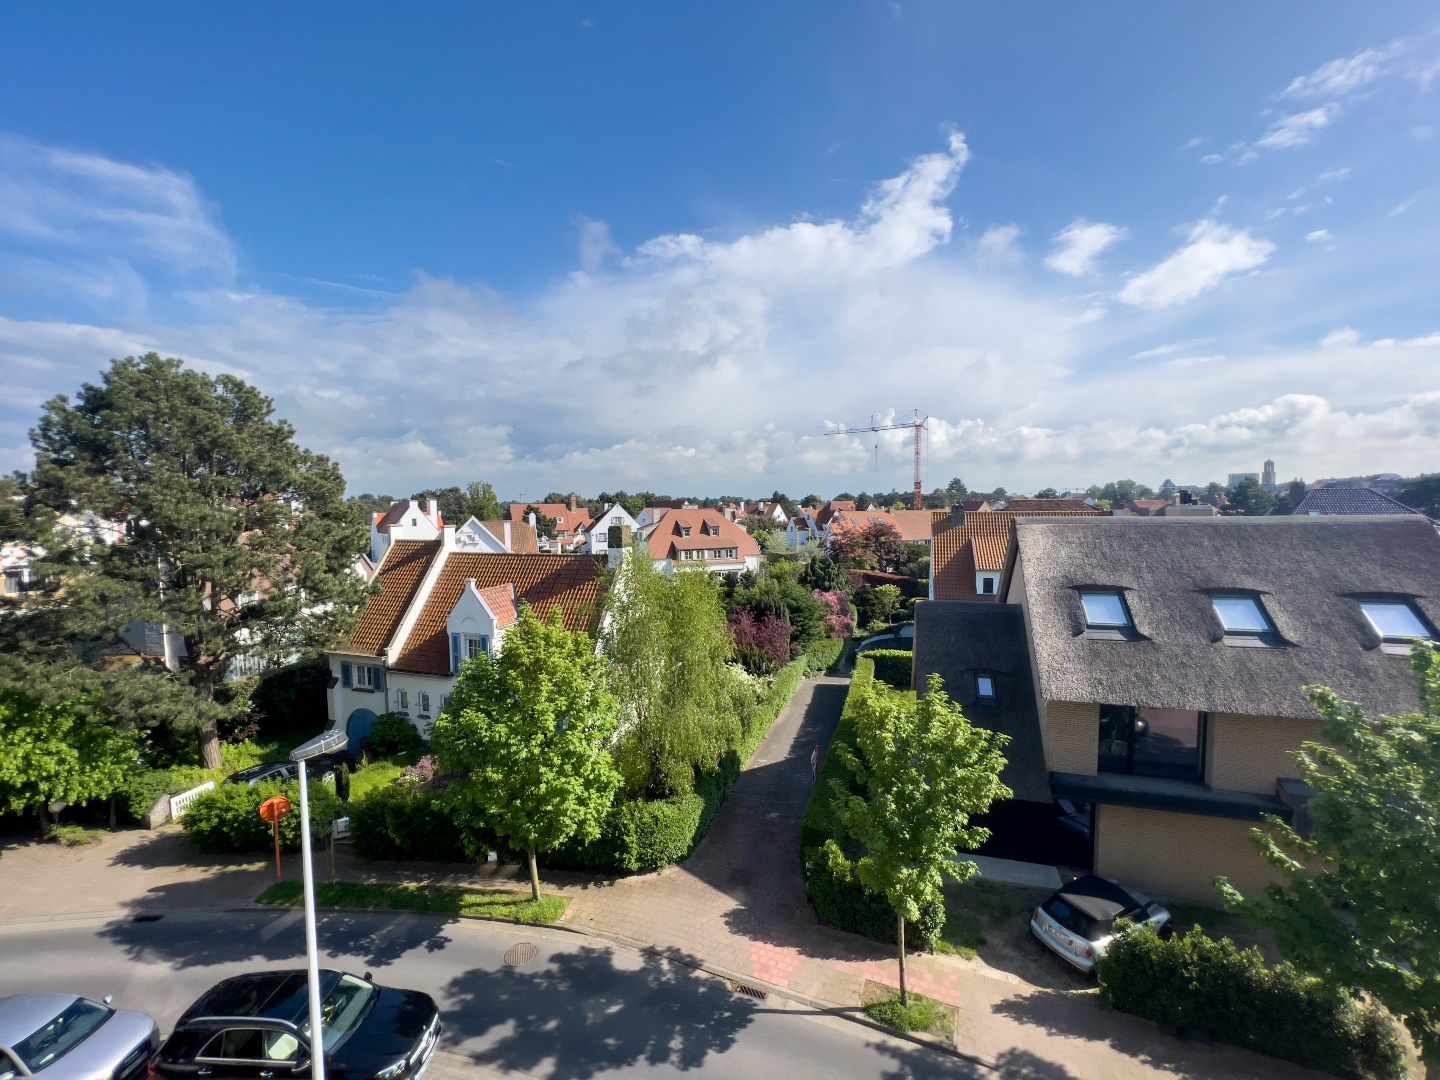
(379, 673)
(485, 645)
(345, 673)
(454, 654)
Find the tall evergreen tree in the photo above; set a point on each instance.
(237, 541)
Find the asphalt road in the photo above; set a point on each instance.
(576, 1008)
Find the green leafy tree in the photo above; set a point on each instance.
(1423, 494)
(822, 573)
(58, 751)
(237, 540)
(781, 595)
(544, 525)
(530, 731)
(1358, 900)
(1119, 492)
(458, 505)
(876, 546)
(957, 490)
(923, 772)
(1249, 498)
(1047, 493)
(668, 646)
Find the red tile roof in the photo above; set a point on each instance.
(500, 599)
(669, 536)
(566, 520)
(402, 568)
(569, 583)
(914, 525)
(524, 540)
(982, 543)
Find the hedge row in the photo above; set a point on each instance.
(821, 655)
(143, 789)
(892, 666)
(830, 882)
(402, 821)
(228, 819)
(1200, 985)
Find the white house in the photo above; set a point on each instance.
(406, 519)
(598, 535)
(437, 603)
(702, 539)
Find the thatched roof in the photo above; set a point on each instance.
(958, 640)
(1309, 572)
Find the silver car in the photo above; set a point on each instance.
(64, 1037)
(1077, 923)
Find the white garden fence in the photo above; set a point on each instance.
(180, 803)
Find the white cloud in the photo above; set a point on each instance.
(596, 244)
(1344, 336)
(1212, 253)
(1298, 129)
(1319, 236)
(1000, 243)
(1340, 77)
(1079, 244)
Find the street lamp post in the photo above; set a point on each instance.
(327, 743)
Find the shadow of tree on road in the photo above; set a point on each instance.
(583, 1015)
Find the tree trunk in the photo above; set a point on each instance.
(904, 994)
(209, 733)
(534, 873)
(44, 820)
(112, 813)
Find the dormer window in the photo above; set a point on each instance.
(1105, 610)
(1242, 614)
(1396, 621)
(684, 530)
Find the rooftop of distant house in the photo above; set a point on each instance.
(1348, 501)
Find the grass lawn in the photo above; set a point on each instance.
(467, 903)
(979, 908)
(378, 774)
(920, 1014)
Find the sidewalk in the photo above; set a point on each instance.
(738, 904)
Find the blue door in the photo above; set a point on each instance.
(357, 729)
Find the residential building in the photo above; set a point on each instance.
(1348, 501)
(1152, 671)
(407, 518)
(702, 539)
(967, 560)
(770, 511)
(438, 602)
(572, 523)
(597, 537)
(498, 537)
(1147, 507)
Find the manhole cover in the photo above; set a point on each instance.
(520, 955)
(752, 992)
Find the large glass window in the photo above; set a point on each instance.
(1394, 620)
(1105, 610)
(1152, 742)
(1241, 614)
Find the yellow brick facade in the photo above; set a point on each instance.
(1249, 753)
(1071, 731)
(1177, 855)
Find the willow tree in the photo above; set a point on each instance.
(237, 541)
(668, 645)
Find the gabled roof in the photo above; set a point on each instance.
(826, 512)
(959, 641)
(566, 520)
(1148, 506)
(1309, 573)
(1349, 501)
(397, 513)
(524, 540)
(401, 570)
(570, 583)
(981, 543)
(915, 526)
(500, 599)
(667, 535)
(1040, 506)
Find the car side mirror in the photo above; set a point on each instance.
(107, 999)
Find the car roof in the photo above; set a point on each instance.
(1097, 897)
(24, 1014)
(274, 995)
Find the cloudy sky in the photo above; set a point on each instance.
(668, 246)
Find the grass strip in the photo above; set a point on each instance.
(921, 1014)
(437, 899)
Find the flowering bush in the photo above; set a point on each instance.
(837, 612)
(426, 773)
(762, 645)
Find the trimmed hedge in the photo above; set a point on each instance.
(403, 821)
(1198, 984)
(643, 835)
(228, 819)
(822, 655)
(892, 666)
(830, 882)
(141, 790)
(392, 735)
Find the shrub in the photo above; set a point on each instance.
(822, 655)
(839, 619)
(392, 735)
(761, 645)
(140, 791)
(1198, 984)
(404, 821)
(892, 666)
(820, 822)
(228, 819)
(291, 701)
(842, 902)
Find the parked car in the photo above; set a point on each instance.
(64, 1037)
(1077, 923)
(259, 1025)
(318, 768)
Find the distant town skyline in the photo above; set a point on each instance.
(669, 247)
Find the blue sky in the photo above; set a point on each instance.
(665, 245)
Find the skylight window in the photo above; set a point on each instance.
(1395, 620)
(985, 687)
(1242, 615)
(1105, 610)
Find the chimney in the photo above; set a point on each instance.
(432, 509)
(509, 543)
(619, 539)
(957, 515)
(530, 517)
(572, 504)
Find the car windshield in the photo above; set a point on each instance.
(341, 1010)
(61, 1035)
(1075, 920)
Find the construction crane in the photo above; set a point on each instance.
(917, 422)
